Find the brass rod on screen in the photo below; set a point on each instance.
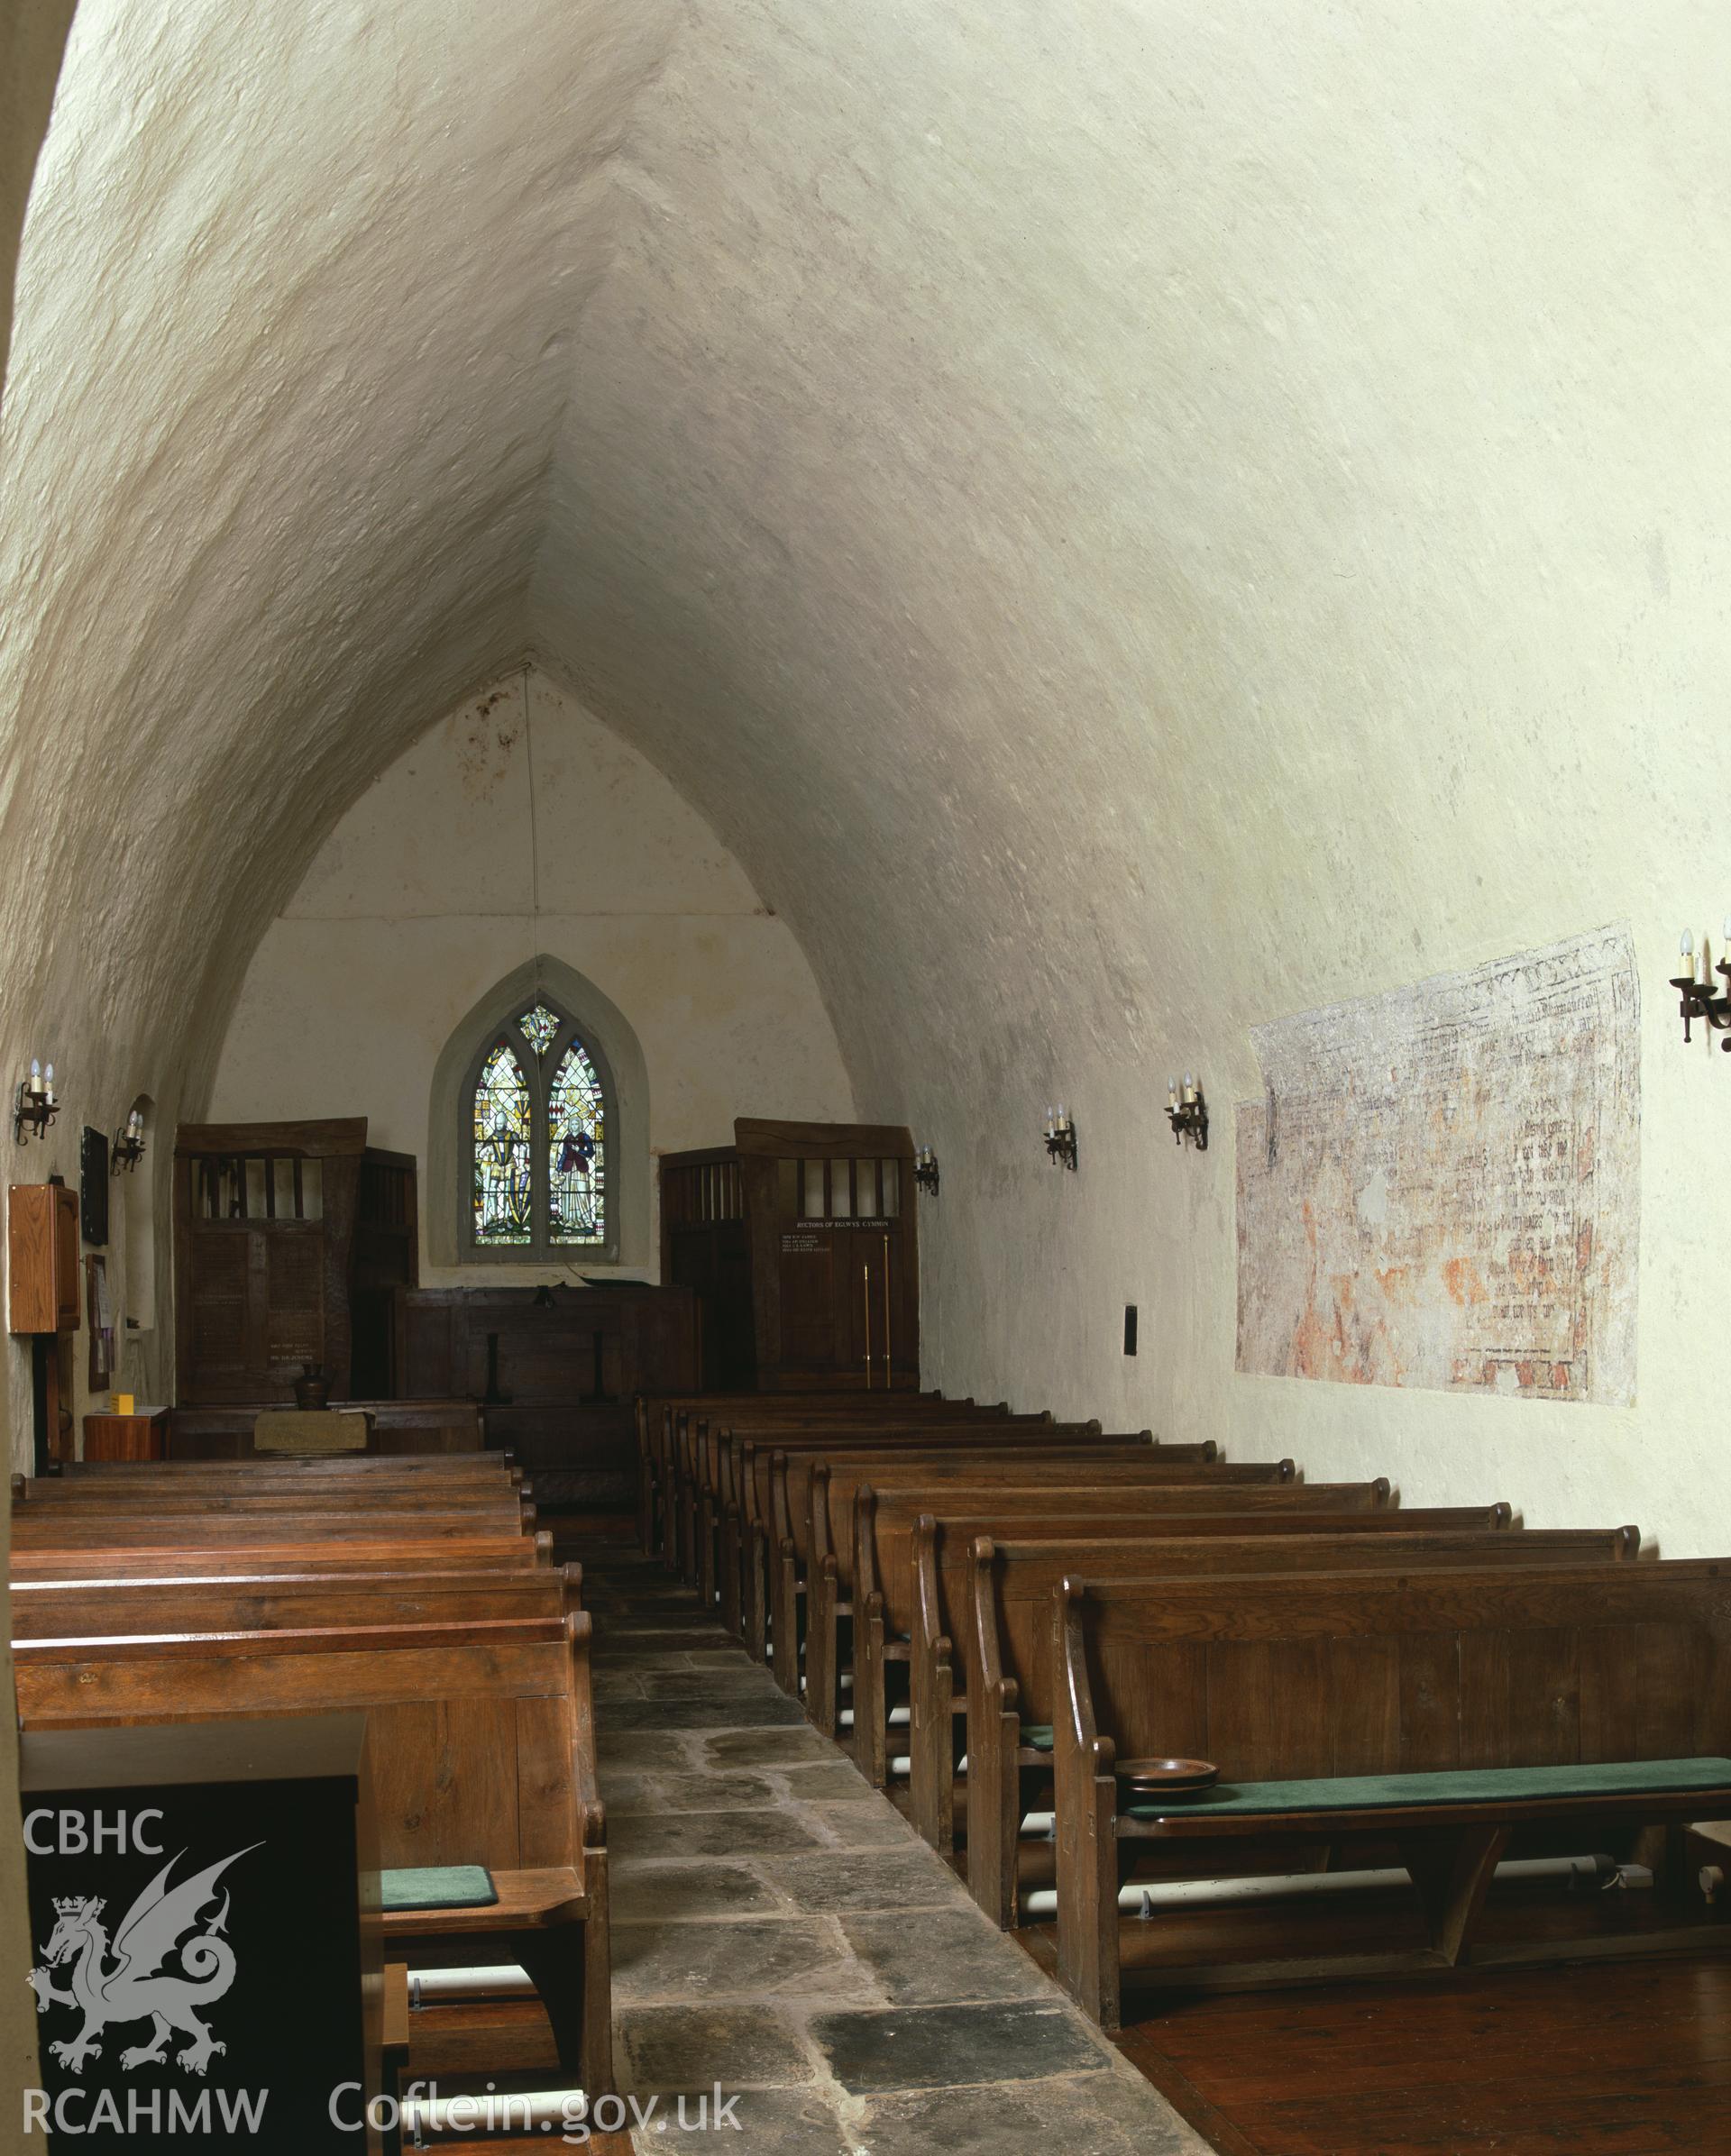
(886, 1312)
(868, 1327)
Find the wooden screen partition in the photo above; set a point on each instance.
(286, 1235)
(705, 1248)
(804, 1232)
(555, 1371)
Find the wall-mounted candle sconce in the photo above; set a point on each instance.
(35, 1106)
(1699, 999)
(128, 1148)
(925, 1169)
(1060, 1137)
(1188, 1113)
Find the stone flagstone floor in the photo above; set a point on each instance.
(779, 1931)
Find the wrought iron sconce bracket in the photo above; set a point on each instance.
(1188, 1113)
(33, 1109)
(925, 1170)
(1189, 1119)
(1697, 1000)
(1060, 1145)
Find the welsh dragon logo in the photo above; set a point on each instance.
(134, 1988)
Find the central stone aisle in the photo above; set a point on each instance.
(779, 1929)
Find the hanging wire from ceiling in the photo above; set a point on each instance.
(535, 840)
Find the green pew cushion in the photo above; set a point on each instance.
(1037, 1735)
(1469, 1785)
(439, 1887)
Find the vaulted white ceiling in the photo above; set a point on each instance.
(1072, 494)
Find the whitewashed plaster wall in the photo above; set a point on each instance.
(437, 884)
(1127, 522)
(31, 42)
(1125, 530)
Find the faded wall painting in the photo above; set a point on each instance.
(1441, 1185)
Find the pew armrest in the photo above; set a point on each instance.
(528, 1901)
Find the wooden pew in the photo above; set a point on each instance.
(501, 1508)
(738, 1512)
(456, 1428)
(745, 1500)
(483, 1741)
(829, 1547)
(98, 1606)
(358, 1467)
(1184, 1488)
(696, 1465)
(42, 1527)
(910, 1601)
(774, 1534)
(658, 1417)
(704, 1464)
(505, 1553)
(1005, 1588)
(1585, 1703)
(768, 1496)
(663, 1435)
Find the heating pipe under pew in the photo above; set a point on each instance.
(495, 1980)
(1143, 1900)
(537, 2110)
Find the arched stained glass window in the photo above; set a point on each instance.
(536, 1128)
(576, 1151)
(504, 1188)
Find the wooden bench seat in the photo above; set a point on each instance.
(501, 1513)
(67, 1528)
(912, 1580)
(482, 1737)
(663, 1420)
(830, 1541)
(748, 1497)
(285, 1601)
(751, 1470)
(1000, 1591)
(353, 1467)
(780, 1551)
(419, 1428)
(1319, 1680)
(1174, 1490)
(664, 1442)
(496, 1552)
(711, 1462)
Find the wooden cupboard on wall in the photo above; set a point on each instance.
(43, 1276)
(800, 1239)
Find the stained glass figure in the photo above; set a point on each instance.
(577, 1210)
(504, 1198)
(538, 1026)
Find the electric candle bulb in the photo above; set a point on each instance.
(1171, 1092)
(1189, 1085)
(36, 1074)
(48, 1082)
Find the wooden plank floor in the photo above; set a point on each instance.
(1629, 2058)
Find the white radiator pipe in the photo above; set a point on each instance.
(899, 1717)
(1143, 1899)
(495, 1980)
(538, 2109)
